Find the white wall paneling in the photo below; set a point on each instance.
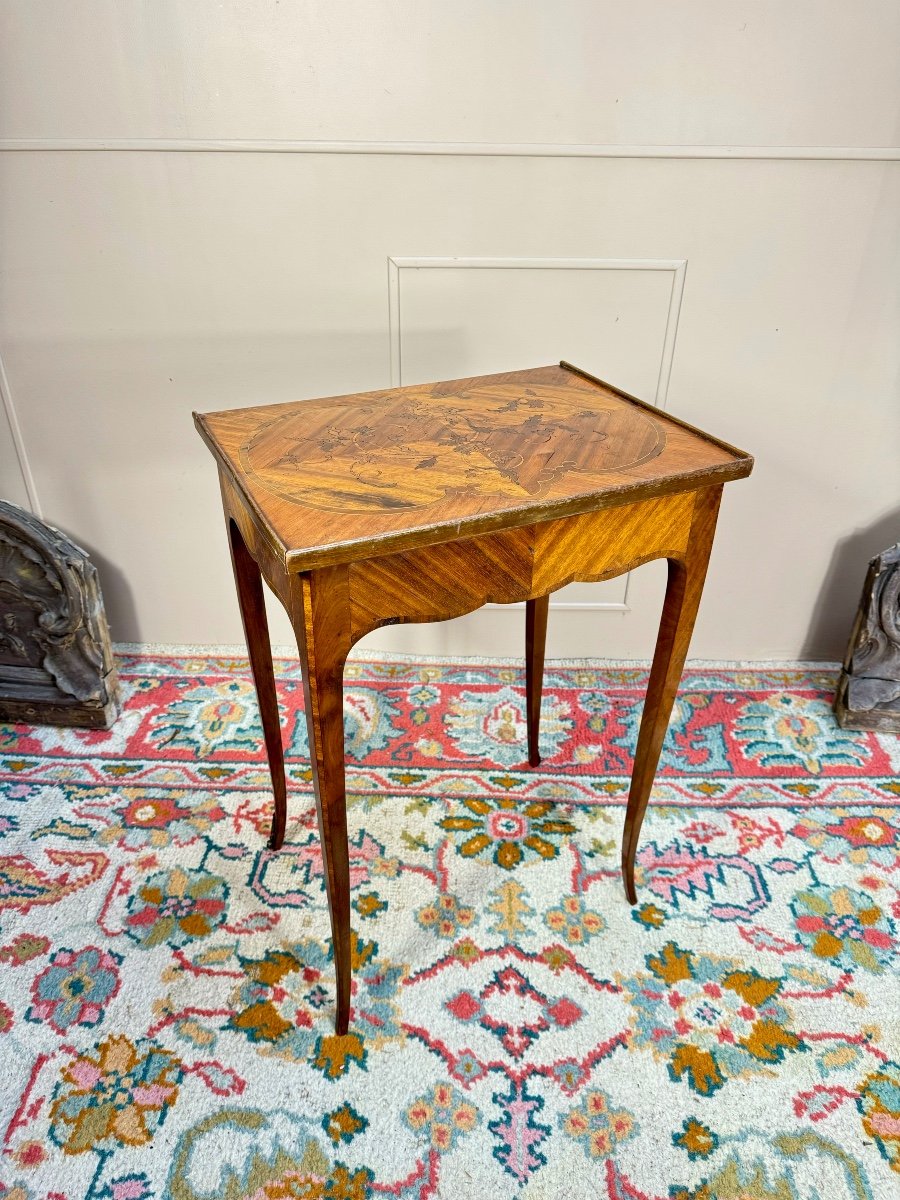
(138, 287)
(198, 200)
(619, 316)
(758, 73)
(16, 479)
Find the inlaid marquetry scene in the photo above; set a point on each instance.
(408, 450)
(418, 465)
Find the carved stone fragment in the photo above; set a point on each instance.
(868, 693)
(56, 662)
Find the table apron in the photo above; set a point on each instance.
(436, 583)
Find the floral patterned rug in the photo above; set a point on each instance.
(518, 1029)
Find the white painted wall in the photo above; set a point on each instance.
(199, 204)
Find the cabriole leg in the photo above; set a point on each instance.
(248, 581)
(685, 586)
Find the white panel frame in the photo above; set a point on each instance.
(677, 267)
(15, 430)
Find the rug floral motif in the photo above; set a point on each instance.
(518, 1029)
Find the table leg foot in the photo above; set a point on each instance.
(535, 641)
(685, 586)
(256, 631)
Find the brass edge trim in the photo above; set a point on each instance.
(265, 531)
(312, 558)
(661, 413)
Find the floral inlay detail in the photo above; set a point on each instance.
(507, 830)
(845, 927)
(75, 988)
(708, 1018)
(176, 907)
(117, 1096)
(443, 1116)
(597, 1126)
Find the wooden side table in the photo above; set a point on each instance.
(423, 503)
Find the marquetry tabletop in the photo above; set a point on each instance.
(409, 466)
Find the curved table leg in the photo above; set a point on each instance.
(685, 586)
(535, 640)
(248, 581)
(321, 618)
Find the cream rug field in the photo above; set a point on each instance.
(518, 1030)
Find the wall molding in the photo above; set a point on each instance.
(677, 267)
(462, 149)
(15, 430)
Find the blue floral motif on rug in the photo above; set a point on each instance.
(518, 1029)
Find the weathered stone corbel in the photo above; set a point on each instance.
(868, 692)
(56, 662)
